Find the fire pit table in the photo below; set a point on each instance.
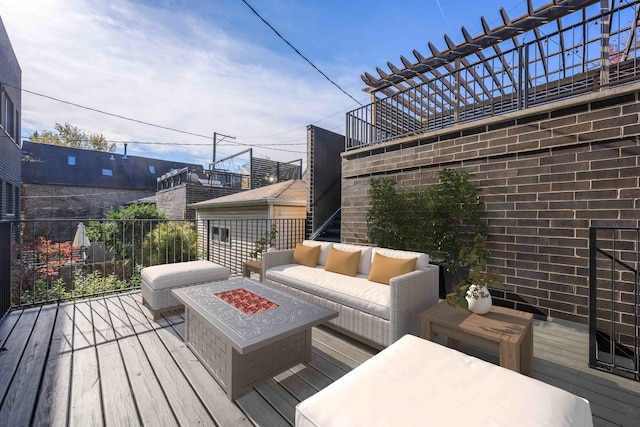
(245, 332)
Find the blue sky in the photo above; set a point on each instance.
(209, 66)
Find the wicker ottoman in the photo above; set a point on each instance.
(157, 282)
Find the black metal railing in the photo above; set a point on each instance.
(553, 66)
(45, 261)
(614, 300)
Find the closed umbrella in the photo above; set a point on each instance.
(81, 240)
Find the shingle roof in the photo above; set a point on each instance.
(49, 164)
(289, 192)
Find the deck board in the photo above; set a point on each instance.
(53, 399)
(109, 363)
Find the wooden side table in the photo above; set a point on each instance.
(507, 332)
(249, 267)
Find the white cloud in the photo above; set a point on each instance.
(166, 67)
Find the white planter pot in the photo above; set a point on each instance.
(480, 305)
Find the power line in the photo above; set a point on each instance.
(298, 52)
(108, 113)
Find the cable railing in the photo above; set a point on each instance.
(48, 261)
(554, 66)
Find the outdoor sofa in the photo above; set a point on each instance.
(374, 312)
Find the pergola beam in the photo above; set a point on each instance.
(547, 13)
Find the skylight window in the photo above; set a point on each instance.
(107, 172)
(152, 169)
(71, 160)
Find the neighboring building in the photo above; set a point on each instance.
(10, 116)
(64, 182)
(232, 224)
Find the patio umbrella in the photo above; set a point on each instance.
(81, 239)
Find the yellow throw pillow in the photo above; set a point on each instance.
(383, 268)
(343, 262)
(306, 255)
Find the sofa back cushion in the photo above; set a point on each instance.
(421, 262)
(343, 262)
(364, 267)
(324, 249)
(306, 255)
(383, 268)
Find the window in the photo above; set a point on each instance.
(220, 234)
(107, 172)
(152, 170)
(9, 117)
(71, 160)
(9, 199)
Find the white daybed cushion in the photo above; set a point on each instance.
(418, 382)
(356, 292)
(364, 267)
(183, 273)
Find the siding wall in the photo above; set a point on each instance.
(547, 174)
(10, 74)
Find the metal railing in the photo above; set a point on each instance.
(555, 66)
(45, 261)
(614, 300)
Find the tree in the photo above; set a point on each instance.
(71, 136)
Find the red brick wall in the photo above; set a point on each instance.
(547, 174)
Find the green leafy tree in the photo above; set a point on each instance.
(123, 231)
(396, 219)
(70, 136)
(456, 217)
(170, 242)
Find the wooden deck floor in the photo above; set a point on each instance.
(105, 362)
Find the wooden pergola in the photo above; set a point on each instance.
(486, 66)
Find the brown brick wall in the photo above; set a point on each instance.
(547, 175)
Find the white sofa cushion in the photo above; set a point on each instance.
(324, 249)
(422, 262)
(355, 292)
(366, 255)
(418, 382)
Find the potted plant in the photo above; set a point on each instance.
(455, 214)
(263, 244)
(473, 293)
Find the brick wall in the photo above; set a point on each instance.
(547, 174)
(174, 201)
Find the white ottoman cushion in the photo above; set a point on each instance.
(183, 273)
(418, 382)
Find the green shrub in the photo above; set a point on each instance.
(170, 242)
(124, 230)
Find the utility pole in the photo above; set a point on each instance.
(215, 142)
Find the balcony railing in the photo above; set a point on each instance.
(55, 260)
(553, 66)
(614, 300)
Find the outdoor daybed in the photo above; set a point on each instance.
(416, 382)
(375, 304)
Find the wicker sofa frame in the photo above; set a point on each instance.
(411, 294)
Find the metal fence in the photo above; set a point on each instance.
(614, 300)
(56, 260)
(554, 66)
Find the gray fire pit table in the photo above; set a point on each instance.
(242, 350)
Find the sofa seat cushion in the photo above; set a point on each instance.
(355, 292)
